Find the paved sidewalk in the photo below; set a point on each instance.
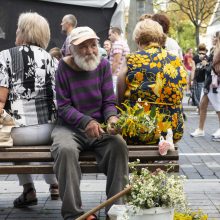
(200, 157)
(204, 194)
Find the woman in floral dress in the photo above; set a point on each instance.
(154, 77)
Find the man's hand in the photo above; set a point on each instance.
(111, 125)
(93, 129)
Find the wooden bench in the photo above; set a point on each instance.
(148, 155)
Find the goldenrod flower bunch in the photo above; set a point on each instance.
(195, 215)
(134, 121)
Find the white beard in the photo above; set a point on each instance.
(88, 62)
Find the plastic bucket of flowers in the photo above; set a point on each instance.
(153, 214)
(155, 195)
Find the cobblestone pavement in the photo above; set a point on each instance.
(200, 157)
(202, 194)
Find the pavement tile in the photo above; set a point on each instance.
(193, 175)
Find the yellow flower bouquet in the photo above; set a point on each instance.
(135, 121)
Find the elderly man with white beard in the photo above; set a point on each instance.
(85, 99)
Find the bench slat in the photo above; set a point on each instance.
(47, 148)
(25, 149)
(84, 156)
(148, 155)
(25, 157)
(42, 169)
(152, 155)
(85, 168)
(38, 156)
(144, 147)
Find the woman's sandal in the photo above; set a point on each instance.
(92, 217)
(22, 201)
(54, 192)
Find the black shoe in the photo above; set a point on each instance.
(184, 117)
(22, 201)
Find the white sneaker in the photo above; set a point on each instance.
(198, 133)
(216, 139)
(216, 134)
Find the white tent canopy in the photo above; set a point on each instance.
(118, 16)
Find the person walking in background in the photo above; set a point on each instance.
(190, 67)
(211, 89)
(85, 99)
(56, 52)
(198, 76)
(145, 16)
(170, 44)
(69, 22)
(118, 53)
(107, 45)
(27, 78)
(156, 77)
(102, 51)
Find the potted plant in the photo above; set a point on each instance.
(153, 195)
(157, 193)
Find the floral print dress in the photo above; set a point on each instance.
(29, 74)
(157, 78)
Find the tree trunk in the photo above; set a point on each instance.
(197, 35)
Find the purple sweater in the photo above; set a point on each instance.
(85, 95)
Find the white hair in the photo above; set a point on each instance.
(34, 29)
(88, 62)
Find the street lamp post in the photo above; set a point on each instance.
(136, 9)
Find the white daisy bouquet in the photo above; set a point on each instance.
(157, 189)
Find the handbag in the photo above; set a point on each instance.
(6, 124)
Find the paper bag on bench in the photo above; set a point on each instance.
(6, 124)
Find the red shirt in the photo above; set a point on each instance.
(188, 59)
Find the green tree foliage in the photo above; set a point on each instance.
(198, 12)
(184, 34)
(181, 29)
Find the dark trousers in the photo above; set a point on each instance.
(112, 157)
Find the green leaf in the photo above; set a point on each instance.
(153, 111)
(138, 112)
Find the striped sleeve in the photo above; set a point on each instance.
(65, 109)
(117, 47)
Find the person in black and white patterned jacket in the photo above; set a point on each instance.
(27, 78)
